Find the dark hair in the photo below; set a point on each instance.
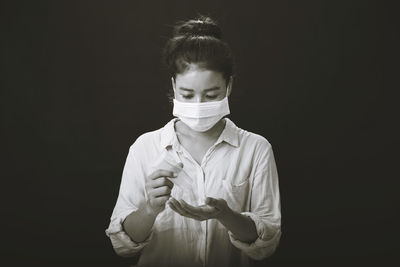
(198, 41)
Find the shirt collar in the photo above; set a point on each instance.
(168, 135)
(230, 134)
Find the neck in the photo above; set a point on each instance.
(214, 132)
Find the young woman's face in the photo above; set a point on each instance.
(200, 85)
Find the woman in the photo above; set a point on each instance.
(200, 191)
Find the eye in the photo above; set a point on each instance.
(211, 96)
(187, 96)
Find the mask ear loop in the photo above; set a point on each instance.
(227, 87)
(173, 86)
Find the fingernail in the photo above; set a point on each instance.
(174, 174)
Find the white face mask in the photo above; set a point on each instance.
(201, 116)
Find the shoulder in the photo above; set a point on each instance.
(257, 140)
(155, 138)
(146, 139)
(249, 139)
(258, 147)
(252, 145)
(261, 147)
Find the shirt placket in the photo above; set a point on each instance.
(204, 224)
(199, 179)
(201, 195)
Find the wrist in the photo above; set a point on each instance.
(224, 215)
(150, 212)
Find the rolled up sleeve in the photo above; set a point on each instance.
(265, 208)
(266, 243)
(130, 197)
(123, 245)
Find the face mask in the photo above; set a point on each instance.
(201, 116)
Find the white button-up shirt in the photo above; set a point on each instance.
(239, 168)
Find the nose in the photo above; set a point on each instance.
(199, 99)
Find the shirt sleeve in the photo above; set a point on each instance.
(264, 208)
(131, 196)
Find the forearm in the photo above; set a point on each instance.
(139, 223)
(240, 225)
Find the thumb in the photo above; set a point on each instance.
(176, 167)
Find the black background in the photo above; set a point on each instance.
(83, 79)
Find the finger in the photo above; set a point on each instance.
(191, 209)
(203, 211)
(162, 173)
(175, 205)
(176, 167)
(170, 203)
(161, 181)
(213, 202)
(174, 208)
(178, 207)
(160, 191)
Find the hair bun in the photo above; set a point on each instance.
(202, 26)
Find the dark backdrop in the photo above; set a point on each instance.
(83, 79)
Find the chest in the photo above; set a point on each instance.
(197, 148)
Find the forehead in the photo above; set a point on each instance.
(198, 78)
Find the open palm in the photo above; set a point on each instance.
(212, 209)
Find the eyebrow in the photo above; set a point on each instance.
(206, 90)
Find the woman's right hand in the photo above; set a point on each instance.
(158, 188)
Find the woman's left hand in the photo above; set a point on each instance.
(213, 208)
